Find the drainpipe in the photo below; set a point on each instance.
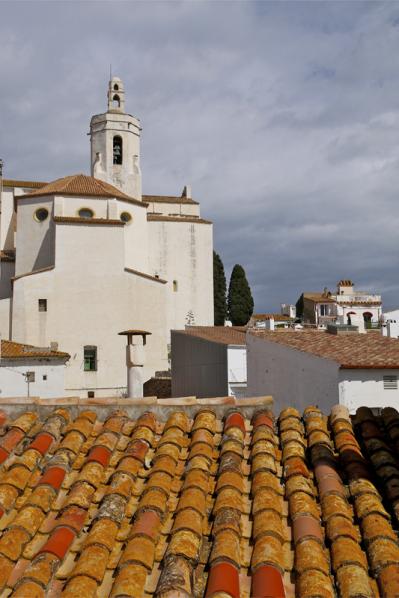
(135, 359)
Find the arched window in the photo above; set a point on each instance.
(117, 150)
(116, 88)
(367, 316)
(86, 213)
(116, 101)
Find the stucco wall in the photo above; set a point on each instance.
(13, 382)
(7, 219)
(237, 370)
(292, 377)
(199, 367)
(366, 387)
(183, 252)
(90, 299)
(35, 240)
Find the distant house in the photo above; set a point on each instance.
(31, 371)
(209, 361)
(298, 367)
(320, 309)
(262, 320)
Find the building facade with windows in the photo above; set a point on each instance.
(347, 303)
(84, 257)
(301, 367)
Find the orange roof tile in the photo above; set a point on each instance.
(223, 335)
(13, 350)
(351, 351)
(27, 184)
(79, 220)
(81, 185)
(199, 502)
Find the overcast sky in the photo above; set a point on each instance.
(283, 116)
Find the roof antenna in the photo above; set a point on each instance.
(110, 71)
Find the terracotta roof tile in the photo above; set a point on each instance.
(81, 185)
(296, 505)
(351, 351)
(13, 350)
(222, 335)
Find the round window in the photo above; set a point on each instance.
(86, 213)
(126, 217)
(41, 214)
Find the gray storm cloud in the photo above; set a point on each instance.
(284, 117)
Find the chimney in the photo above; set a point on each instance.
(135, 359)
(187, 192)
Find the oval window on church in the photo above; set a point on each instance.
(126, 217)
(41, 214)
(86, 213)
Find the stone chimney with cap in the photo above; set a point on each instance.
(135, 360)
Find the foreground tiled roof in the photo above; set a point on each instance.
(198, 505)
(81, 185)
(223, 335)
(12, 350)
(351, 351)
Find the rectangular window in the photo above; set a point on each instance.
(44, 376)
(30, 376)
(42, 304)
(323, 310)
(90, 394)
(90, 359)
(390, 382)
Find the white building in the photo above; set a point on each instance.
(325, 308)
(209, 361)
(302, 367)
(27, 371)
(85, 257)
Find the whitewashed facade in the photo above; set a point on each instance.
(298, 378)
(98, 264)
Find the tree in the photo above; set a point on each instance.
(240, 302)
(219, 291)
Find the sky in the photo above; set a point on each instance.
(282, 116)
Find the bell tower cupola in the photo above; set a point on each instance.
(115, 143)
(116, 95)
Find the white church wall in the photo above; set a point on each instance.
(7, 220)
(90, 299)
(171, 209)
(34, 239)
(182, 253)
(7, 271)
(135, 235)
(5, 318)
(72, 205)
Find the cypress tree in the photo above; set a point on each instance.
(219, 291)
(240, 302)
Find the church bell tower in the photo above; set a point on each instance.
(115, 144)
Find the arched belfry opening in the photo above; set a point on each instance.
(116, 95)
(117, 150)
